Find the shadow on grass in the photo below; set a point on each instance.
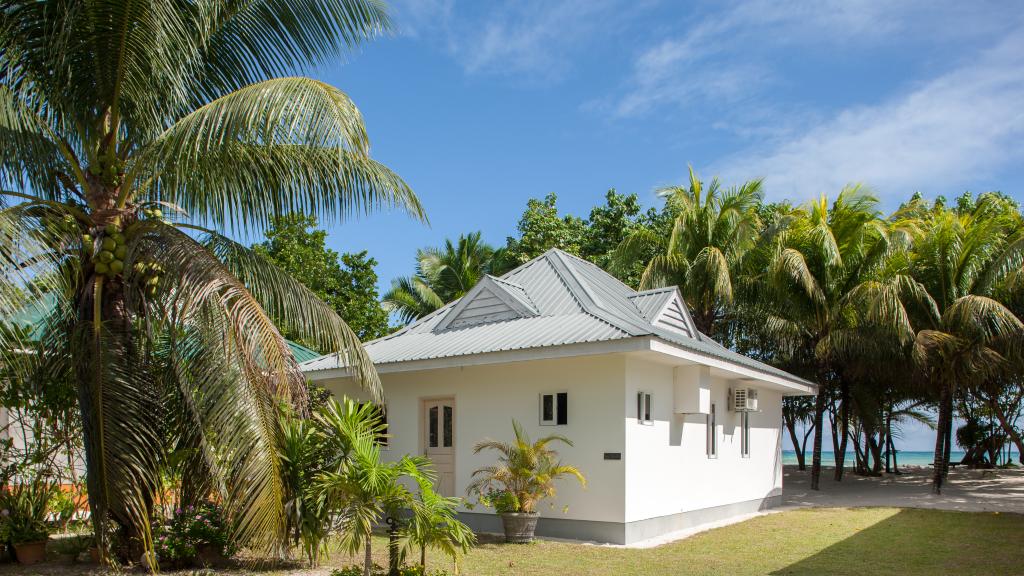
(913, 542)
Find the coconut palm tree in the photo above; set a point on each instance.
(442, 275)
(113, 113)
(712, 231)
(965, 336)
(801, 278)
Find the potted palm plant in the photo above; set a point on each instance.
(25, 509)
(525, 474)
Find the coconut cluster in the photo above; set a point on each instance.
(111, 250)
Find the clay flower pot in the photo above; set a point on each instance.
(519, 526)
(29, 553)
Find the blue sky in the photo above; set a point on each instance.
(482, 105)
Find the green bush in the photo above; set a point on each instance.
(23, 512)
(191, 528)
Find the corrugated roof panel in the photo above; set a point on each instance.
(577, 301)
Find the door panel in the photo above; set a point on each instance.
(439, 441)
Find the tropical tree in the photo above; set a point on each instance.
(113, 112)
(347, 282)
(712, 231)
(442, 275)
(803, 277)
(434, 524)
(964, 336)
(363, 489)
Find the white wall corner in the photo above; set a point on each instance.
(692, 389)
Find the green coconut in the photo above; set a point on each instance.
(111, 229)
(106, 256)
(117, 266)
(86, 239)
(102, 268)
(120, 252)
(108, 244)
(118, 237)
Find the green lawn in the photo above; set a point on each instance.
(818, 541)
(858, 542)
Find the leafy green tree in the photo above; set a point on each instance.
(112, 113)
(442, 275)
(541, 228)
(346, 282)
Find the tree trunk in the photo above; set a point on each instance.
(844, 426)
(947, 449)
(1009, 429)
(791, 427)
(876, 453)
(819, 414)
(368, 560)
(940, 441)
(423, 557)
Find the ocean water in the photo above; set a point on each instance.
(903, 458)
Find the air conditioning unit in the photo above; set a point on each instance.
(743, 400)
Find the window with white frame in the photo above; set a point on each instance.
(745, 434)
(643, 408)
(712, 432)
(554, 409)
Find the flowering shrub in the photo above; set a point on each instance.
(191, 528)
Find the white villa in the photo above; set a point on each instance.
(671, 429)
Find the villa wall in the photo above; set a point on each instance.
(487, 398)
(664, 480)
(669, 474)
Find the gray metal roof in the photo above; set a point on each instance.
(571, 301)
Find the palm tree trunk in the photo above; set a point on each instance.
(949, 435)
(844, 425)
(791, 427)
(819, 425)
(876, 454)
(1009, 429)
(368, 560)
(940, 441)
(423, 557)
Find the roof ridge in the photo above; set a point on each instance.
(597, 310)
(654, 291)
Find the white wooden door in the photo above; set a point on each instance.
(439, 441)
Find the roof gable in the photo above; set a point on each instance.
(491, 300)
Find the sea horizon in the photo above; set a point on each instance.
(903, 457)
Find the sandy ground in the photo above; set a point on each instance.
(967, 490)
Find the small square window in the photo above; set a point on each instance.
(554, 409)
(643, 408)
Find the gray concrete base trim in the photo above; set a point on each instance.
(628, 532)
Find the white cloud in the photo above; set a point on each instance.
(945, 133)
(534, 38)
(725, 57)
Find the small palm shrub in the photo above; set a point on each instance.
(524, 475)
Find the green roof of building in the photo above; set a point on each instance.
(32, 316)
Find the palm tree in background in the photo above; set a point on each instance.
(442, 275)
(802, 277)
(113, 112)
(712, 231)
(964, 335)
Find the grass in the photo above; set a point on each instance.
(855, 542)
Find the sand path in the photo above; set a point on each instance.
(967, 490)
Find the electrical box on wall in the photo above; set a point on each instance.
(692, 389)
